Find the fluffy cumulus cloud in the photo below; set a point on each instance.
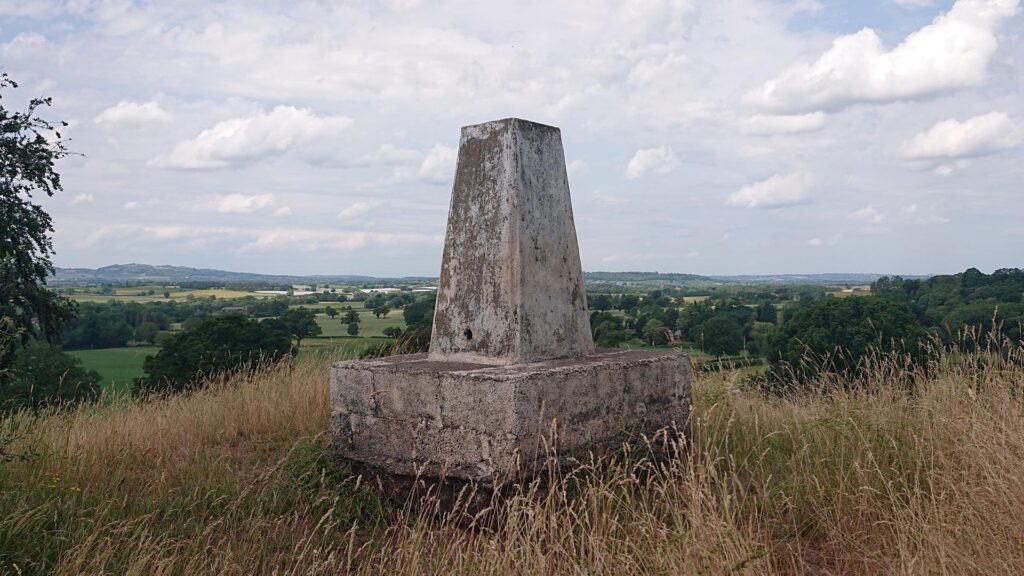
(242, 140)
(127, 112)
(191, 120)
(779, 191)
(660, 160)
(438, 167)
(951, 139)
(952, 52)
(240, 203)
(868, 214)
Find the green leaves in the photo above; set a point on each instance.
(29, 148)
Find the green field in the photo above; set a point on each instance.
(118, 366)
(369, 325)
(140, 294)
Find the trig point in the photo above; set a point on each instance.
(511, 353)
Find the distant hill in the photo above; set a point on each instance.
(838, 278)
(136, 273)
(146, 273)
(647, 278)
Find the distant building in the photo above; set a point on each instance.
(235, 309)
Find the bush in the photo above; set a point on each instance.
(226, 343)
(42, 374)
(838, 332)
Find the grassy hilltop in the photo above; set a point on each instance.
(235, 479)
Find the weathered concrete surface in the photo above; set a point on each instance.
(408, 415)
(511, 353)
(511, 286)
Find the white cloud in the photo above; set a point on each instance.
(240, 203)
(815, 242)
(914, 3)
(952, 52)
(345, 241)
(83, 198)
(283, 211)
(868, 214)
(125, 112)
(438, 167)
(660, 160)
(951, 139)
(389, 154)
(23, 45)
(768, 124)
(132, 205)
(575, 167)
(911, 209)
(779, 191)
(241, 140)
(356, 210)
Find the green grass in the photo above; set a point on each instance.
(369, 325)
(118, 366)
(136, 294)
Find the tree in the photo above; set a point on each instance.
(331, 312)
(654, 332)
(226, 343)
(392, 331)
(353, 329)
(351, 317)
(382, 310)
(29, 147)
(766, 312)
(720, 335)
(844, 330)
(42, 374)
(146, 332)
(301, 324)
(601, 302)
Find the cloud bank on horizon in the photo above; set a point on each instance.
(743, 136)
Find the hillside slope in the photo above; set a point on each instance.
(236, 480)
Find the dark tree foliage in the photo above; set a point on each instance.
(607, 329)
(301, 323)
(948, 303)
(226, 343)
(720, 335)
(843, 330)
(29, 148)
(44, 375)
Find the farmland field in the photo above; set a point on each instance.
(118, 366)
(369, 325)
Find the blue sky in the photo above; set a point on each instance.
(732, 137)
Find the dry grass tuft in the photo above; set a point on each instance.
(869, 478)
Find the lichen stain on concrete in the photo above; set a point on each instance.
(510, 254)
(511, 352)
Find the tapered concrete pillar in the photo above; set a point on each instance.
(511, 356)
(511, 286)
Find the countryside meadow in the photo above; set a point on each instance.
(421, 287)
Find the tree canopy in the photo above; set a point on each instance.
(226, 343)
(29, 148)
(844, 329)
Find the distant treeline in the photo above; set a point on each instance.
(971, 298)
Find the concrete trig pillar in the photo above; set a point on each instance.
(511, 356)
(511, 286)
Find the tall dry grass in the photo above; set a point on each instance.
(859, 477)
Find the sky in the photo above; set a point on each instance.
(705, 137)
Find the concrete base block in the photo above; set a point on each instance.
(408, 416)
